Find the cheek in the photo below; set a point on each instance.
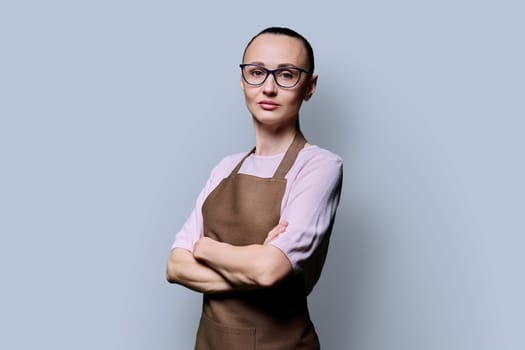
(249, 94)
(295, 99)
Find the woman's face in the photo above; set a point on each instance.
(269, 103)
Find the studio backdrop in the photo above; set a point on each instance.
(113, 113)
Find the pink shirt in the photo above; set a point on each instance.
(309, 205)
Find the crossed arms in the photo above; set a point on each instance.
(210, 266)
(216, 267)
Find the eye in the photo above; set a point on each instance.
(288, 74)
(255, 71)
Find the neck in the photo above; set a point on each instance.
(271, 142)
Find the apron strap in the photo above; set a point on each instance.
(289, 157)
(291, 154)
(236, 169)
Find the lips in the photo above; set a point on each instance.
(268, 105)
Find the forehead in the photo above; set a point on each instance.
(275, 49)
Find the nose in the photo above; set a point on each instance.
(270, 86)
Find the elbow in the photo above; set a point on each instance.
(171, 275)
(271, 272)
(268, 280)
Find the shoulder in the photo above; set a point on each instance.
(316, 167)
(314, 156)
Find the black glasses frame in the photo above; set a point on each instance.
(272, 72)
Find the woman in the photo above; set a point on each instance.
(257, 239)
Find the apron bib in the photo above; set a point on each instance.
(240, 211)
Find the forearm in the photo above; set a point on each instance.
(185, 270)
(254, 265)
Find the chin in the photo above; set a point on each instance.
(275, 121)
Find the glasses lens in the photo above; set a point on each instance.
(254, 75)
(287, 77)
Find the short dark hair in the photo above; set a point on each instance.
(291, 33)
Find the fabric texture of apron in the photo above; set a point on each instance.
(240, 211)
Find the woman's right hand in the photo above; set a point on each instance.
(276, 231)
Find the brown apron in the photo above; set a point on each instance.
(241, 210)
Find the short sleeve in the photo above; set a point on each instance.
(310, 210)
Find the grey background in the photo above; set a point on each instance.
(114, 112)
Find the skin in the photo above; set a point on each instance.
(190, 269)
(276, 128)
(216, 267)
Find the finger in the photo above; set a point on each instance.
(270, 236)
(281, 226)
(276, 231)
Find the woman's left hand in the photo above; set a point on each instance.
(276, 231)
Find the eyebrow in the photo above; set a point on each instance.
(281, 65)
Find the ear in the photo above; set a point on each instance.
(310, 89)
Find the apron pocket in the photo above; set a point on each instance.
(216, 336)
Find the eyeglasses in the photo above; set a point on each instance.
(285, 77)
